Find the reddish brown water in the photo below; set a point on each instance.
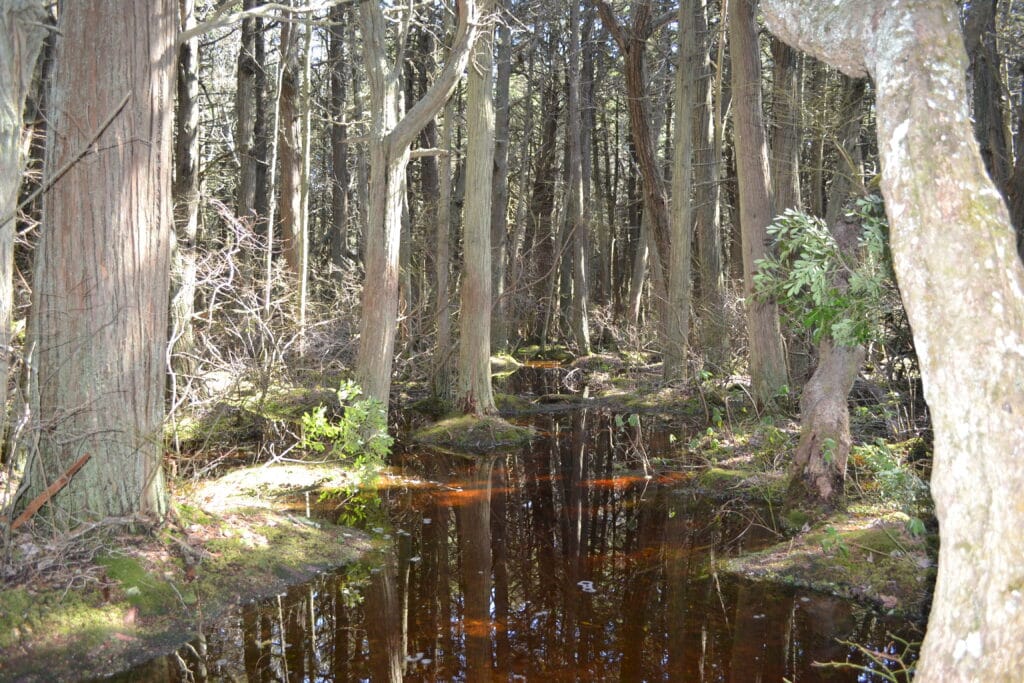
(558, 563)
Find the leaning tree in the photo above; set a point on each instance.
(963, 287)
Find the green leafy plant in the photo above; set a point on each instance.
(360, 434)
(896, 482)
(833, 542)
(801, 275)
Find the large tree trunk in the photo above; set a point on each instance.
(391, 135)
(186, 199)
(101, 285)
(767, 358)
(474, 394)
(22, 31)
(679, 282)
(962, 292)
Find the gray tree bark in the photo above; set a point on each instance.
(767, 358)
(963, 298)
(102, 263)
(22, 31)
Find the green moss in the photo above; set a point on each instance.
(858, 558)
(473, 434)
(510, 403)
(150, 594)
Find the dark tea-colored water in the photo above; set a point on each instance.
(581, 558)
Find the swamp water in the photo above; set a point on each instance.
(561, 562)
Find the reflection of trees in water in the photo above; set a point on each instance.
(493, 581)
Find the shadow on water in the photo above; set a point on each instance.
(559, 563)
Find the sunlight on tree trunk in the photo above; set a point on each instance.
(101, 281)
(767, 359)
(474, 393)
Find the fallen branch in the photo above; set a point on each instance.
(51, 490)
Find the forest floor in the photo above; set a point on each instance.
(112, 595)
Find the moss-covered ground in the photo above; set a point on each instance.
(235, 539)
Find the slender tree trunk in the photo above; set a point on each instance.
(245, 115)
(101, 272)
(499, 188)
(679, 282)
(289, 146)
(767, 358)
(579, 232)
(442, 375)
(933, 177)
(391, 135)
(186, 199)
(713, 324)
(339, 135)
(474, 394)
(22, 32)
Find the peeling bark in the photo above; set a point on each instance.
(962, 283)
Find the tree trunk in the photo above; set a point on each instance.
(818, 471)
(579, 232)
(499, 188)
(712, 317)
(442, 372)
(679, 282)
(22, 31)
(933, 177)
(787, 131)
(339, 135)
(391, 135)
(101, 278)
(767, 359)
(186, 199)
(633, 43)
(474, 394)
(289, 146)
(245, 115)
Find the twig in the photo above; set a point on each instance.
(50, 492)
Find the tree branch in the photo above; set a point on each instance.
(403, 135)
(840, 30)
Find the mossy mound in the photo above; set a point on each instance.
(473, 434)
(511, 404)
(145, 596)
(863, 558)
